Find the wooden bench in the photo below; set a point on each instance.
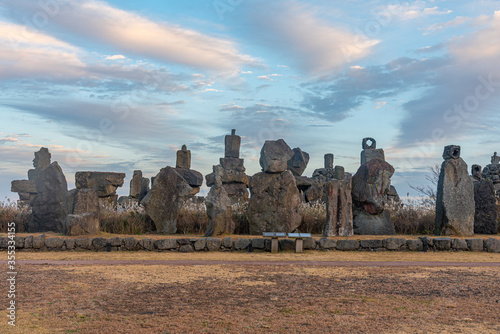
(274, 239)
(299, 240)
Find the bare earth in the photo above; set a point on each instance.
(256, 293)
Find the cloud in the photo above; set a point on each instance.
(316, 46)
(133, 34)
(406, 11)
(459, 20)
(115, 57)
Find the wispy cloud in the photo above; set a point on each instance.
(133, 34)
(316, 46)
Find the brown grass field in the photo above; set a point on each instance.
(267, 298)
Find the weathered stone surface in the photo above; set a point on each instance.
(451, 152)
(163, 244)
(455, 206)
(183, 158)
(347, 245)
(28, 242)
(218, 204)
(130, 244)
(23, 186)
(144, 188)
(104, 183)
(476, 173)
(329, 158)
(147, 244)
(370, 186)
(69, 243)
(4, 242)
(240, 244)
(49, 206)
(486, 216)
(81, 224)
(475, 245)
(394, 243)
(163, 202)
(227, 242)
(115, 242)
(309, 243)
(372, 143)
(83, 243)
(371, 244)
(232, 145)
(325, 243)
(85, 201)
(135, 184)
(99, 243)
(298, 162)
(492, 245)
(492, 172)
(274, 203)
(192, 177)
(287, 245)
(459, 244)
(42, 158)
(200, 244)
(414, 245)
(186, 249)
(367, 224)
(54, 243)
(237, 192)
(371, 154)
(259, 243)
(229, 177)
(213, 244)
(19, 241)
(233, 164)
(338, 209)
(442, 243)
(274, 156)
(303, 182)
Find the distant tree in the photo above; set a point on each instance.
(429, 192)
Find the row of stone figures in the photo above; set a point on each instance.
(467, 204)
(356, 204)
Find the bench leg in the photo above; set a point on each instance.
(299, 243)
(274, 245)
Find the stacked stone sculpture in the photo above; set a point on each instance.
(234, 179)
(339, 219)
(103, 183)
(455, 205)
(370, 186)
(370, 152)
(139, 186)
(485, 215)
(218, 205)
(492, 172)
(27, 188)
(170, 190)
(275, 197)
(83, 209)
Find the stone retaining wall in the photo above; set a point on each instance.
(41, 243)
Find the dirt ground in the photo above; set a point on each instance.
(235, 297)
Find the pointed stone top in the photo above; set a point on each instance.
(184, 148)
(495, 159)
(233, 132)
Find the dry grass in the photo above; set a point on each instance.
(11, 212)
(261, 256)
(255, 299)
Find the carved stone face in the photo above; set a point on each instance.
(42, 158)
(451, 152)
(476, 172)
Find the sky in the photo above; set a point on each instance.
(121, 85)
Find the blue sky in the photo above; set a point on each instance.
(121, 85)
